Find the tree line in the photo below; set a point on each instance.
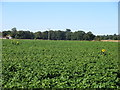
(57, 35)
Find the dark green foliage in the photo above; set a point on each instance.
(57, 35)
(5, 33)
(98, 38)
(60, 64)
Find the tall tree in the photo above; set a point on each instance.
(68, 34)
(14, 32)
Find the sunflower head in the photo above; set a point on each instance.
(103, 50)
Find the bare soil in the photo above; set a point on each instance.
(110, 40)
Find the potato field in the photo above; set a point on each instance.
(59, 64)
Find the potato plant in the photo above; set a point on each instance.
(60, 64)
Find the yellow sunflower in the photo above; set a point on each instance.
(103, 50)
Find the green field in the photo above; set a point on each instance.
(59, 64)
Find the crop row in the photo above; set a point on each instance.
(60, 64)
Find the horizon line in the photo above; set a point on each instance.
(58, 30)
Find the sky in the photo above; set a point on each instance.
(101, 18)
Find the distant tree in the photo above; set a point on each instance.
(97, 38)
(118, 36)
(68, 30)
(45, 35)
(86, 37)
(80, 35)
(111, 37)
(73, 36)
(38, 35)
(63, 35)
(103, 37)
(13, 32)
(29, 35)
(68, 34)
(24, 35)
(106, 37)
(5, 33)
(59, 35)
(52, 35)
(20, 35)
(115, 37)
(89, 36)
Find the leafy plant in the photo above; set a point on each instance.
(59, 64)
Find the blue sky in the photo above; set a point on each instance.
(98, 17)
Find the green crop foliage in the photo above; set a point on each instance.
(59, 64)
